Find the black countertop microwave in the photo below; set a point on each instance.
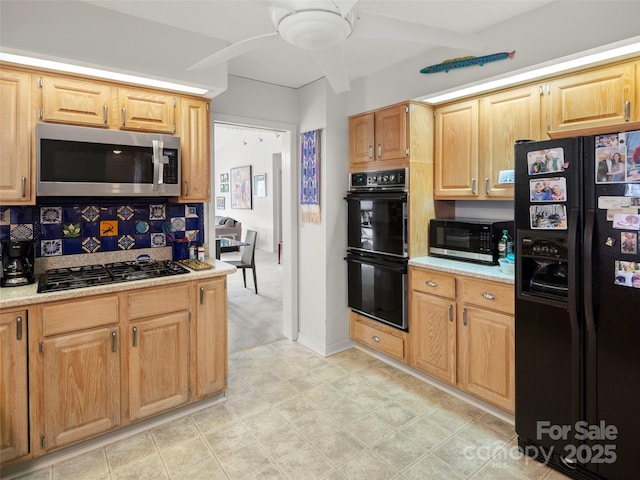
(82, 161)
(467, 239)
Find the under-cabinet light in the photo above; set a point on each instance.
(539, 72)
(94, 72)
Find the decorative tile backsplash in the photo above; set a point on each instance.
(99, 226)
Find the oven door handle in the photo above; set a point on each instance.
(376, 195)
(400, 266)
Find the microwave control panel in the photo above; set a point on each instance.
(170, 170)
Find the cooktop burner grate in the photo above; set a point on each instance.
(58, 279)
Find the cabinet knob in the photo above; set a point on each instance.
(489, 296)
(376, 338)
(431, 283)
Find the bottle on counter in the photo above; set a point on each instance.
(505, 245)
(201, 253)
(192, 251)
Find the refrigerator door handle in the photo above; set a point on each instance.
(590, 324)
(574, 220)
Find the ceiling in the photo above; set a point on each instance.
(164, 38)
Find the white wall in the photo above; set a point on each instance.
(236, 146)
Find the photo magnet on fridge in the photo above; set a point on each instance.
(627, 274)
(546, 161)
(629, 243)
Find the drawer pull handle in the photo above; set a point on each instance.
(489, 296)
(451, 313)
(18, 328)
(431, 283)
(135, 336)
(370, 151)
(464, 317)
(114, 341)
(376, 338)
(474, 190)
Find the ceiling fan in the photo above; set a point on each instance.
(324, 27)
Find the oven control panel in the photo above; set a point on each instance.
(381, 179)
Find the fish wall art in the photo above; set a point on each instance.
(461, 62)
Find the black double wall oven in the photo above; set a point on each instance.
(378, 253)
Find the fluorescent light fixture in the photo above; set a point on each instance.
(539, 72)
(94, 72)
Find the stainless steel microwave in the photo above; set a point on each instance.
(467, 239)
(82, 161)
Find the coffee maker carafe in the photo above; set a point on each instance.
(17, 263)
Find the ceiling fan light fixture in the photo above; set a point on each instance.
(315, 29)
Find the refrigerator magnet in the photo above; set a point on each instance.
(608, 203)
(626, 222)
(629, 243)
(627, 274)
(546, 161)
(610, 164)
(620, 211)
(632, 190)
(545, 217)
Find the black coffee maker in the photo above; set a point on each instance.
(17, 263)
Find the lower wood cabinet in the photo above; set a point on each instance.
(461, 331)
(82, 367)
(14, 400)
(388, 340)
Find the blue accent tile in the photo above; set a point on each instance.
(51, 231)
(143, 240)
(51, 248)
(91, 229)
(71, 214)
(109, 244)
(155, 226)
(108, 213)
(71, 246)
(90, 244)
(4, 232)
(193, 224)
(126, 227)
(22, 214)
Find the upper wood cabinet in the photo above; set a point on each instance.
(146, 111)
(79, 102)
(194, 132)
(456, 150)
(599, 97)
(379, 137)
(14, 401)
(504, 118)
(17, 173)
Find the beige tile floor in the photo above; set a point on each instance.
(291, 414)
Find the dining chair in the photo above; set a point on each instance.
(247, 260)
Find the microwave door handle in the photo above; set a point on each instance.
(159, 160)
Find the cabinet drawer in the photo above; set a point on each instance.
(487, 294)
(378, 339)
(157, 301)
(433, 283)
(74, 315)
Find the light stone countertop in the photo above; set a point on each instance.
(486, 272)
(27, 295)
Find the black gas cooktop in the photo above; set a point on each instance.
(58, 279)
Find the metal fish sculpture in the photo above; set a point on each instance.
(461, 62)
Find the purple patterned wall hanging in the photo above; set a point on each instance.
(310, 177)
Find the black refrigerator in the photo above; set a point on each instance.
(577, 327)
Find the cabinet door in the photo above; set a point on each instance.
(210, 350)
(391, 133)
(361, 140)
(596, 98)
(504, 118)
(78, 102)
(81, 385)
(17, 178)
(158, 364)
(146, 111)
(195, 161)
(456, 150)
(432, 336)
(14, 399)
(487, 356)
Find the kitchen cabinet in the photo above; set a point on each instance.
(487, 341)
(75, 101)
(376, 335)
(194, 133)
(474, 142)
(209, 344)
(432, 324)
(17, 173)
(146, 110)
(378, 138)
(462, 332)
(158, 349)
(81, 379)
(14, 398)
(583, 102)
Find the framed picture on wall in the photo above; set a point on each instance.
(224, 178)
(240, 184)
(224, 188)
(220, 203)
(260, 185)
